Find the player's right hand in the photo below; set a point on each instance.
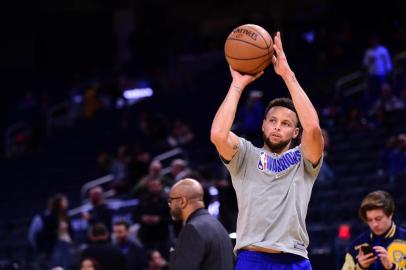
(242, 80)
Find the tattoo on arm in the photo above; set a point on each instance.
(235, 147)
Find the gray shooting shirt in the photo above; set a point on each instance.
(273, 193)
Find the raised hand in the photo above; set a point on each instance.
(242, 80)
(279, 61)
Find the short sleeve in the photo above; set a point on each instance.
(234, 165)
(313, 171)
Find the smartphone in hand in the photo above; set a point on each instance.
(367, 249)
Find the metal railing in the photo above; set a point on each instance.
(352, 83)
(110, 177)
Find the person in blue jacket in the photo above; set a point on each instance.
(383, 245)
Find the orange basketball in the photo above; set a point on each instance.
(248, 49)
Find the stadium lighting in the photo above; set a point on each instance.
(138, 93)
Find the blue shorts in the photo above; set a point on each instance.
(252, 260)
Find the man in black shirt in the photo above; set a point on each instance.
(203, 243)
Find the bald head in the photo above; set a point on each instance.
(185, 197)
(188, 188)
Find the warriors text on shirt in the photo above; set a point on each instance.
(274, 164)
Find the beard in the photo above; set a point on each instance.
(275, 147)
(176, 214)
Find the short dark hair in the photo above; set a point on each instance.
(122, 223)
(287, 103)
(282, 102)
(98, 229)
(377, 200)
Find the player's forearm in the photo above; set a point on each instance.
(225, 115)
(307, 113)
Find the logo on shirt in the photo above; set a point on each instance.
(275, 164)
(299, 245)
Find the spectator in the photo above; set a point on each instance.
(100, 211)
(387, 101)
(156, 261)
(152, 215)
(326, 174)
(135, 254)
(120, 168)
(139, 164)
(89, 264)
(179, 170)
(154, 172)
(378, 63)
(228, 202)
(64, 252)
(386, 239)
(56, 226)
(101, 250)
(180, 134)
(397, 158)
(42, 233)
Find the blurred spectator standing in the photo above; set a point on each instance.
(54, 237)
(378, 63)
(120, 169)
(135, 254)
(100, 212)
(100, 249)
(153, 217)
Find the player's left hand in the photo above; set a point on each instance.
(383, 256)
(279, 61)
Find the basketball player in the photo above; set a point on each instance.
(273, 183)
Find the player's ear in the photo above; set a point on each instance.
(296, 133)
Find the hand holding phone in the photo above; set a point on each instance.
(367, 249)
(366, 256)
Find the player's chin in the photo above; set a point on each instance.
(275, 140)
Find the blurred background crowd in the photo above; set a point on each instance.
(106, 104)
